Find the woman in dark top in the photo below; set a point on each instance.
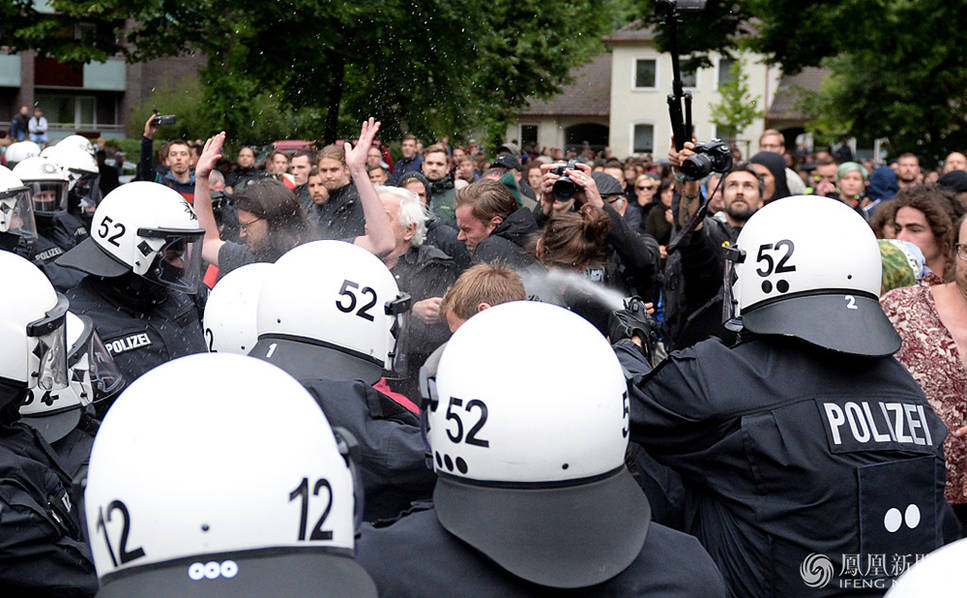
(659, 223)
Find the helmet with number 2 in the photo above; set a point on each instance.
(145, 228)
(332, 310)
(248, 502)
(531, 468)
(231, 309)
(809, 267)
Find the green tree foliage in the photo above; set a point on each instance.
(898, 66)
(738, 107)
(433, 67)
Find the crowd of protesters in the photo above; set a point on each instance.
(460, 228)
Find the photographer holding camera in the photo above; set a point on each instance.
(693, 274)
(631, 260)
(177, 158)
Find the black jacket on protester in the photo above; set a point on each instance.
(393, 465)
(693, 285)
(341, 217)
(444, 237)
(417, 557)
(506, 242)
(239, 178)
(42, 549)
(787, 451)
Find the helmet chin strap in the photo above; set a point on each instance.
(11, 397)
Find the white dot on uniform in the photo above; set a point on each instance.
(196, 571)
(893, 520)
(229, 569)
(912, 516)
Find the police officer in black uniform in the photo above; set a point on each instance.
(42, 549)
(806, 444)
(533, 496)
(52, 191)
(143, 265)
(337, 331)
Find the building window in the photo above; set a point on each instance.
(725, 70)
(528, 134)
(646, 73)
(69, 110)
(644, 139)
(690, 77)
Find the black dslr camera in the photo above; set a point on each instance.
(564, 188)
(712, 156)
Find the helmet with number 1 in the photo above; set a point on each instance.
(145, 228)
(91, 374)
(332, 310)
(809, 267)
(33, 337)
(47, 183)
(231, 310)
(529, 449)
(20, 151)
(248, 502)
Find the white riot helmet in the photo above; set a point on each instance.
(248, 502)
(47, 184)
(937, 575)
(77, 142)
(231, 312)
(33, 337)
(529, 448)
(809, 267)
(16, 214)
(92, 376)
(81, 171)
(20, 151)
(332, 310)
(146, 228)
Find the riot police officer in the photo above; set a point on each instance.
(533, 497)
(65, 417)
(143, 266)
(42, 549)
(256, 498)
(806, 442)
(338, 329)
(50, 189)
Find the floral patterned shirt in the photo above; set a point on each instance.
(931, 356)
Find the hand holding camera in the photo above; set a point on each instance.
(564, 182)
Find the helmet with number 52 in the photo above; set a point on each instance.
(248, 502)
(531, 467)
(809, 267)
(332, 310)
(144, 228)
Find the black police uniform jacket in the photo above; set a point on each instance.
(786, 451)
(42, 549)
(417, 557)
(393, 463)
(139, 338)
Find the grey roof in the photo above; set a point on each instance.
(632, 32)
(787, 94)
(588, 95)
